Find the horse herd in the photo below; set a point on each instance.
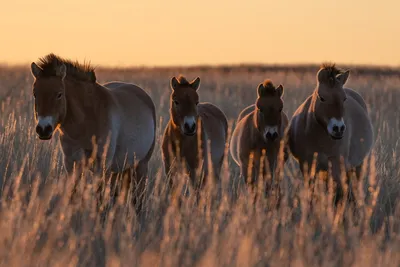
(115, 124)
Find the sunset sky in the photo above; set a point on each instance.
(172, 32)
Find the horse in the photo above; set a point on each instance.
(190, 127)
(332, 126)
(119, 116)
(260, 129)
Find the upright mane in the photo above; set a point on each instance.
(331, 69)
(267, 88)
(76, 70)
(328, 73)
(183, 81)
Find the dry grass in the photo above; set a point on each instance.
(39, 227)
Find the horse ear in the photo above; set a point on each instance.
(342, 77)
(174, 83)
(260, 90)
(280, 90)
(61, 71)
(195, 83)
(35, 70)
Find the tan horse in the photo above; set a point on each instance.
(260, 126)
(121, 117)
(334, 123)
(190, 126)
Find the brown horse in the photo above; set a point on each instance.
(260, 126)
(190, 126)
(120, 116)
(334, 123)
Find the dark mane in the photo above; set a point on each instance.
(267, 89)
(183, 81)
(76, 70)
(331, 69)
(329, 72)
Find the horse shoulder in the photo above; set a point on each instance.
(166, 141)
(298, 119)
(297, 129)
(246, 137)
(167, 144)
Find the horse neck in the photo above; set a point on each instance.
(79, 104)
(311, 120)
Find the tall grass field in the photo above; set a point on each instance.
(40, 226)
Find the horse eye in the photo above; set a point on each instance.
(176, 102)
(321, 98)
(59, 95)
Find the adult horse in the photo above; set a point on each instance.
(120, 116)
(190, 126)
(334, 123)
(260, 128)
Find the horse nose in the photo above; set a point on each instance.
(190, 127)
(339, 129)
(336, 128)
(271, 136)
(44, 131)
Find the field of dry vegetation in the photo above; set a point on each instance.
(40, 227)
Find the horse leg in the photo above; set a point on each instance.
(352, 181)
(336, 175)
(140, 177)
(170, 170)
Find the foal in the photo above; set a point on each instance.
(334, 123)
(260, 127)
(190, 126)
(120, 116)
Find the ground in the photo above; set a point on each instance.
(40, 227)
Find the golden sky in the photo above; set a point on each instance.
(172, 32)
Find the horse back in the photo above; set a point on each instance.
(245, 112)
(357, 97)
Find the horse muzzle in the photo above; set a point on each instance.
(336, 128)
(189, 126)
(271, 136)
(336, 136)
(44, 133)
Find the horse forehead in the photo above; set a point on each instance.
(334, 91)
(47, 84)
(269, 102)
(186, 94)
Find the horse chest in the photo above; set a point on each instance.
(190, 152)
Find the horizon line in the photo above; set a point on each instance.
(215, 65)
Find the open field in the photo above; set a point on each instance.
(39, 227)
